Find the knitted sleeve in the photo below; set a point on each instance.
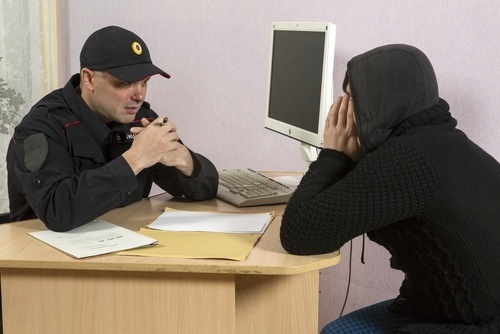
(337, 200)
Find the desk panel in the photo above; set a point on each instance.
(107, 302)
(277, 304)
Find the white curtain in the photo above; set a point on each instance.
(28, 66)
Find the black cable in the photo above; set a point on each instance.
(348, 280)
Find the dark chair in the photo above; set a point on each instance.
(4, 217)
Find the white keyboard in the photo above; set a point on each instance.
(246, 187)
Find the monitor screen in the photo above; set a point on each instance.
(300, 80)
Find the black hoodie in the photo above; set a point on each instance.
(421, 189)
(389, 84)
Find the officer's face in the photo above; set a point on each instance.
(113, 99)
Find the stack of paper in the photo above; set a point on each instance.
(190, 234)
(192, 221)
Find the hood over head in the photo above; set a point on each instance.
(388, 84)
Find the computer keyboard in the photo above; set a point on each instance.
(246, 187)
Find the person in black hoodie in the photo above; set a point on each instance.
(395, 166)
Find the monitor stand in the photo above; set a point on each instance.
(308, 153)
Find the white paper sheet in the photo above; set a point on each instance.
(176, 220)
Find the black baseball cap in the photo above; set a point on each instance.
(120, 53)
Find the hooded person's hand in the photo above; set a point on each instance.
(340, 128)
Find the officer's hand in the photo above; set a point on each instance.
(151, 143)
(175, 155)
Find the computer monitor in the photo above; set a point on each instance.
(301, 82)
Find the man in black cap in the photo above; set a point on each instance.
(95, 144)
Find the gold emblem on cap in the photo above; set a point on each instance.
(137, 48)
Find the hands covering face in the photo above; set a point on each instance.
(340, 128)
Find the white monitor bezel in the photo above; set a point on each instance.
(302, 135)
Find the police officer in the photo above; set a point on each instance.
(95, 144)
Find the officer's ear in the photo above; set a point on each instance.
(87, 79)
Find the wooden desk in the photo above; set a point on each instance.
(46, 291)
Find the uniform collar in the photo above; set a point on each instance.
(93, 124)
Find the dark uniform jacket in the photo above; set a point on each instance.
(65, 165)
(423, 190)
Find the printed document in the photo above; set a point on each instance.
(94, 238)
